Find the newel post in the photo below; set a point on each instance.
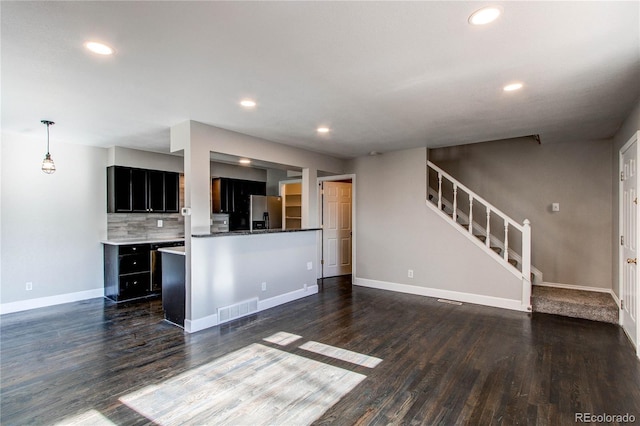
(526, 264)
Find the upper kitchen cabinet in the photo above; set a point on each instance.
(232, 195)
(131, 190)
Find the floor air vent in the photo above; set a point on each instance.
(450, 302)
(238, 310)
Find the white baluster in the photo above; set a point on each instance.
(506, 240)
(487, 241)
(439, 191)
(526, 263)
(470, 213)
(455, 202)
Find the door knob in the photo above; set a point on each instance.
(630, 260)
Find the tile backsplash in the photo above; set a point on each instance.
(144, 225)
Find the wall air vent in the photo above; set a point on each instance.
(241, 309)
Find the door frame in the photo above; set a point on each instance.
(634, 139)
(351, 177)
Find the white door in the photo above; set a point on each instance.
(629, 242)
(336, 228)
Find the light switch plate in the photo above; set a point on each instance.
(555, 207)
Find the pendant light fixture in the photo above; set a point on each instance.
(47, 164)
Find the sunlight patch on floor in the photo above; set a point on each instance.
(254, 385)
(282, 338)
(91, 417)
(341, 354)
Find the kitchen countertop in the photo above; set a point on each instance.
(173, 250)
(254, 232)
(124, 242)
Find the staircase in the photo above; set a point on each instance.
(458, 204)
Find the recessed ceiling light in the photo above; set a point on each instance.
(511, 87)
(485, 15)
(323, 129)
(244, 161)
(248, 103)
(99, 48)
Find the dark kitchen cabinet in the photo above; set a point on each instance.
(171, 192)
(127, 271)
(156, 190)
(133, 271)
(220, 196)
(119, 189)
(131, 190)
(139, 193)
(233, 196)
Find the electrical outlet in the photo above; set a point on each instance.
(410, 273)
(305, 287)
(160, 223)
(29, 286)
(309, 266)
(264, 286)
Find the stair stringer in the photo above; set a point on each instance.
(481, 230)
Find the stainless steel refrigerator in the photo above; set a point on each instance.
(266, 212)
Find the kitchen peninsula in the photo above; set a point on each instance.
(229, 280)
(234, 274)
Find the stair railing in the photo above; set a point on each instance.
(489, 210)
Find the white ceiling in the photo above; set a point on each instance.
(382, 75)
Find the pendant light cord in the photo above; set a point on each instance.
(47, 138)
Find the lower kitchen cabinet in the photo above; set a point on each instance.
(133, 271)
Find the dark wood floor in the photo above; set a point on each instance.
(442, 364)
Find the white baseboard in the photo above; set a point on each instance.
(286, 297)
(615, 299)
(478, 299)
(42, 302)
(191, 326)
(583, 288)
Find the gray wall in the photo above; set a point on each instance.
(238, 172)
(522, 178)
(119, 156)
(628, 128)
(274, 176)
(51, 224)
(397, 231)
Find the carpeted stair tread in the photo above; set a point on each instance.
(589, 305)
